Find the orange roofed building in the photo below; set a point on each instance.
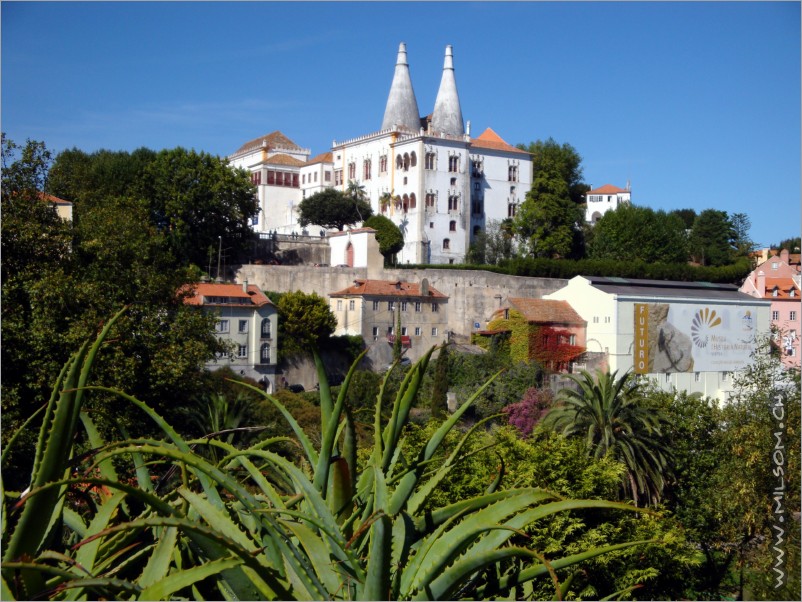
(606, 198)
(371, 309)
(248, 322)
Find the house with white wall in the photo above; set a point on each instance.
(603, 199)
(248, 322)
(688, 336)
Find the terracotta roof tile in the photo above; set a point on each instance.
(53, 199)
(321, 158)
(784, 286)
(281, 159)
(274, 140)
(489, 139)
(607, 189)
(547, 311)
(197, 292)
(387, 288)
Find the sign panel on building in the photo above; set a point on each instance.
(679, 337)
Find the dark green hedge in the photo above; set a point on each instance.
(568, 268)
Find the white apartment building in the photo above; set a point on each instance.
(688, 336)
(248, 321)
(427, 174)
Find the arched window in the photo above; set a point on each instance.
(452, 226)
(413, 159)
(406, 162)
(264, 354)
(446, 244)
(399, 162)
(412, 201)
(266, 328)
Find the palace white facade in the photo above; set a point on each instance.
(427, 174)
(606, 198)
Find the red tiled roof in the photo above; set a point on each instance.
(607, 189)
(547, 311)
(387, 288)
(321, 158)
(281, 159)
(53, 199)
(254, 296)
(489, 139)
(784, 286)
(274, 140)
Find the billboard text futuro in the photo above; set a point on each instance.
(692, 338)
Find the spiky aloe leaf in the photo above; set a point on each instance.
(53, 452)
(86, 555)
(317, 549)
(160, 559)
(179, 580)
(377, 580)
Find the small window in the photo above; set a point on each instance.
(243, 326)
(352, 305)
(453, 164)
(775, 292)
(264, 354)
(417, 331)
(403, 306)
(435, 307)
(429, 161)
(595, 319)
(446, 244)
(390, 305)
(375, 306)
(792, 315)
(390, 331)
(775, 315)
(774, 265)
(242, 351)
(434, 331)
(417, 306)
(697, 377)
(221, 326)
(266, 328)
(375, 331)
(339, 304)
(452, 226)
(404, 331)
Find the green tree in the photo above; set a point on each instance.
(389, 237)
(792, 244)
(494, 244)
(548, 220)
(305, 320)
(549, 155)
(686, 215)
(742, 243)
(610, 414)
(196, 200)
(332, 208)
(631, 233)
(711, 238)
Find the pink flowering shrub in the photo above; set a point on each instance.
(525, 414)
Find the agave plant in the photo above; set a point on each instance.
(253, 524)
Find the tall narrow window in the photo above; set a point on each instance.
(352, 171)
(453, 164)
(512, 173)
(452, 226)
(266, 328)
(512, 208)
(446, 244)
(429, 161)
(264, 353)
(366, 169)
(453, 203)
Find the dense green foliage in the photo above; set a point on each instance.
(332, 208)
(389, 237)
(248, 523)
(632, 233)
(61, 281)
(492, 245)
(305, 322)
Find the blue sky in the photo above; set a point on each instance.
(696, 103)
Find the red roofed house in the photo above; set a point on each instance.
(248, 321)
(371, 308)
(63, 208)
(778, 280)
(601, 200)
(547, 331)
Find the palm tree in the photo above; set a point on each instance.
(613, 419)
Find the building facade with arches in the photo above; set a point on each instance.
(427, 174)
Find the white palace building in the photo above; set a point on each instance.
(426, 174)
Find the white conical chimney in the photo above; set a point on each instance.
(402, 107)
(447, 116)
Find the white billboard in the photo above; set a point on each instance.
(692, 338)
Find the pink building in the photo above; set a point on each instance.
(778, 279)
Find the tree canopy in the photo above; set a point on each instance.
(388, 235)
(305, 320)
(712, 237)
(562, 160)
(631, 233)
(332, 208)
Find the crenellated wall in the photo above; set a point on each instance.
(473, 294)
